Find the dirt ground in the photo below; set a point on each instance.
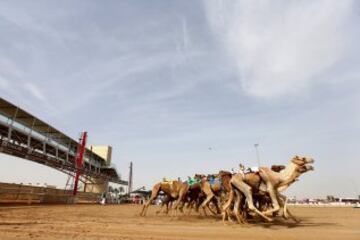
(123, 222)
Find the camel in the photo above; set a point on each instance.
(170, 188)
(271, 182)
(277, 182)
(189, 192)
(166, 202)
(225, 177)
(210, 190)
(242, 187)
(196, 193)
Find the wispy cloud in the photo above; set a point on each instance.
(34, 91)
(4, 84)
(281, 47)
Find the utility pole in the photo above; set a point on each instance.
(256, 145)
(130, 183)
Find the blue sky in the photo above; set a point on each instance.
(162, 81)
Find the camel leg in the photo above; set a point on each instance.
(292, 216)
(180, 199)
(154, 194)
(289, 214)
(165, 202)
(161, 208)
(236, 209)
(216, 203)
(171, 208)
(274, 200)
(204, 211)
(285, 208)
(226, 206)
(190, 207)
(204, 204)
(246, 190)
(212, 211)
(209, 196)
(176, 205)
(283, 205)
(167, 207)
(286, 212)
(181, 207)
(229, 214)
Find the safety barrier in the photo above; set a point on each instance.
(26, 194)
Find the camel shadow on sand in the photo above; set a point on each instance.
(280, 224)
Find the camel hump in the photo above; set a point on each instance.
(168, 181)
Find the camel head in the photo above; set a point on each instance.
(302, 160)
(224, 174)
(302, 165)
(298, 165)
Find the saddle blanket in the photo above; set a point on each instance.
(192, 182)
(214, 181)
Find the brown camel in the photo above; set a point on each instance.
(188, 194)
(225, 177)
(170, 188)
(203, 193)
(211, 189)
(167, 202)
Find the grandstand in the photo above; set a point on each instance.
(25, 136)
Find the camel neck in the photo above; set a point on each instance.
(287, 175)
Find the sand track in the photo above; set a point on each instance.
(123, 222)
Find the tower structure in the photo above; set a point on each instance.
(130, 186)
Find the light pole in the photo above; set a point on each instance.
(256, 145)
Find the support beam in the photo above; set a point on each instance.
(79, 161)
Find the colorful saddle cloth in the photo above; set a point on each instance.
(192, 181)
(214, 181)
